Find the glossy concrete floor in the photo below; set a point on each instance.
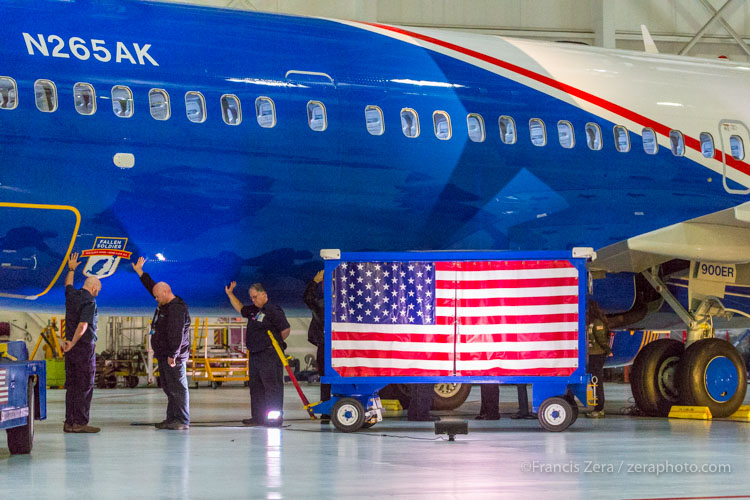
(615, 457)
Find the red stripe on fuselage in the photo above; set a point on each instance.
(659, 128)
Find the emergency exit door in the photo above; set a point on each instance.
(734, 139)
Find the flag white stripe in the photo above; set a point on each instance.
(517, 364)
(510, 274)
(378, 345)
(508, 310)
(393, 328)
(493, 293)
(549, 345)
(422, 364)
(517, 328)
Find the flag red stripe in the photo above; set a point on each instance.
(476, 356)
(381, 354)
(512, 283)
(529, 372)
(517, 337)
(389, 372)
(510, 301)
(502, 265)
(518, 320)
(396, 337)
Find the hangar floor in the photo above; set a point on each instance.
(615, 457)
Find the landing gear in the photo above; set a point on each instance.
(711, 373)
(653, 377)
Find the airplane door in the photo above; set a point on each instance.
(35, 241)
(734, 138)
(315, 94)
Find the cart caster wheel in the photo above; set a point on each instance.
(348, 415)
(367, 425)
(215, 385)
(556, 414)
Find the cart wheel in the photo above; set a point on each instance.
(367, 425)
(556, 414)
(215, 385)
(132, 381)
(348, 415)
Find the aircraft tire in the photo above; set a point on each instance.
(652, 378)
(711, 373)
(21, 439)
(450, 396)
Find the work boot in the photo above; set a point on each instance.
(177, 426)
(67, 427)
(482, 416)
(162, 425)
(84, 429)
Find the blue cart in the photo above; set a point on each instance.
(23, 395)
(455, 317)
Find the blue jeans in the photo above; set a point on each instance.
(174, 385)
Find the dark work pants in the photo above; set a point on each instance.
(320, 362)
(491, 400)
(266, 384)
(596, 368)
(174, 384)
(420, 401)
(80, 369)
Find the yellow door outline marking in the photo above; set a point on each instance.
(67, 253)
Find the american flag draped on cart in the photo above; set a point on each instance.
(493, 318)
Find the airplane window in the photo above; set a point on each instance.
(46, 96)
(593, 136)
(622, 139)
(507, 129)
(442, 124)
(566, 134)
(374, 120)
(158, 102)
(537, 132)
(475, 123)
(8, 93)
(409, 122)
(231, 110)
(265, 112)
(195, 107)
(316, 116)
(737, 146)
(122, 101)
(650, 144)
(707, 145)
(677, 142)
(84, 98)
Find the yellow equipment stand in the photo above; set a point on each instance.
(205, 365)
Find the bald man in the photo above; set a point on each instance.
(80, 349)
(170, 341)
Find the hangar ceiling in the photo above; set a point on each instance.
(673, 24)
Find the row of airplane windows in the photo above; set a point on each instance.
(84, 98)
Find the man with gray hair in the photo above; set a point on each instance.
(79, 348)
(170, 340)
(265, 371)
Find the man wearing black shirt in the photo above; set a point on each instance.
(79, 347)
(170, 341)
(266, 371)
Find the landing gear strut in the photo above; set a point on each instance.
(708, 372)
